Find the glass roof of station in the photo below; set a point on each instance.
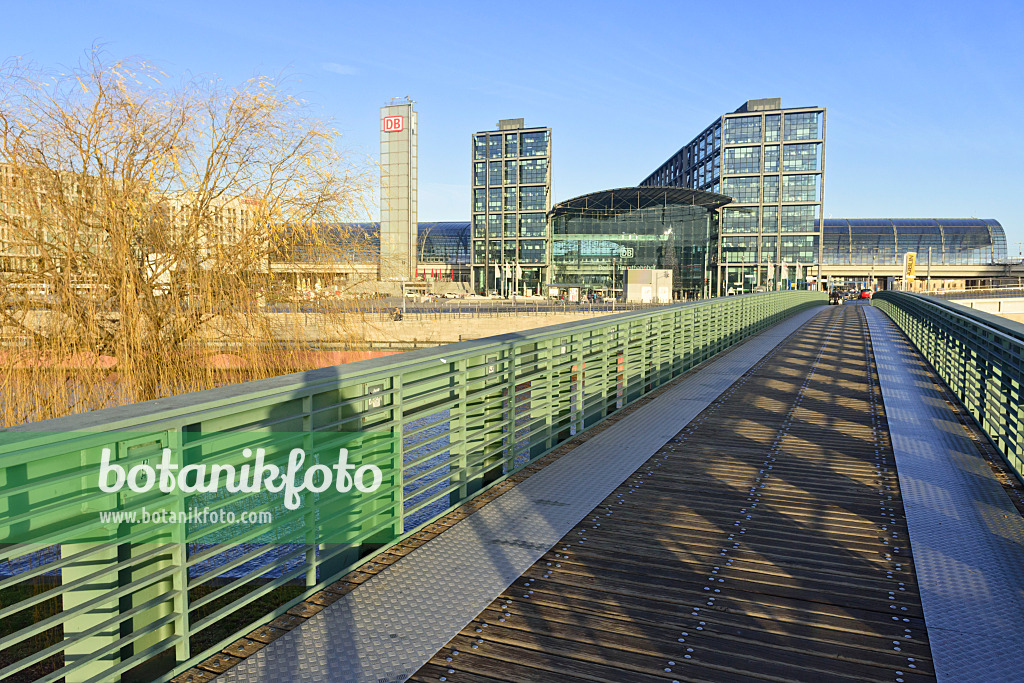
(953, 241)
(633, 198)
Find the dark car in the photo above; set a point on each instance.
(865, 294)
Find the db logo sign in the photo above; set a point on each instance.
(392, 124)
(626, 252)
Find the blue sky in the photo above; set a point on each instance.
(924, 99)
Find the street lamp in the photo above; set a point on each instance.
(615, 276)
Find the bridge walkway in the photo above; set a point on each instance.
(749, 523)
(766, 540)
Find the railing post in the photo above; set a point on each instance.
(79, 649)
(458, 449)
(486, 451)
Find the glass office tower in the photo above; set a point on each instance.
(511, 185)
(771, 161)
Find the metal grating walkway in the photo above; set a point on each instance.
(383, 631)
(765, 541)
(967, 535)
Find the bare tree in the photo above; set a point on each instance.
(142, 223)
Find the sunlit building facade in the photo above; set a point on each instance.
(511, 186)
(771, 161)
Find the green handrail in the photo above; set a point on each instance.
(442, 424)
(978, 355)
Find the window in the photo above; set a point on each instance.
(739, 249)
(493, 199)
(494, 147)
(479, 226)
(771, 188)
(535, 144)
(801, 157)
(509, 223)
(478, 173)
(479, 251)
(494, 225)
(531, 251)
(743, 190)
(511, 144)
(533, 198)
(798, 249)
(772, 127)
(771, 159)
(769, 219)
(800, 188)
(739, 220)
(742, 160)
(798, 218)
(479, 200)
(741, 130)
(803, 126)
(494, 173)
(532, 224)
(480, 147)
(768, 249)
(533, 171)
(510, 199)
(510, 172)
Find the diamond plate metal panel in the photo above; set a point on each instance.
(966, 535)
(383, 631)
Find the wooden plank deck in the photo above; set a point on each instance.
(766, 541)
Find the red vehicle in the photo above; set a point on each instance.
(865, 294)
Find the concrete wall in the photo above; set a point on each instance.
(1011, 309)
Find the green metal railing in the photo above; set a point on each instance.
(106, 600)
(978, 355)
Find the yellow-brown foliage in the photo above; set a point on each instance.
(142, 227)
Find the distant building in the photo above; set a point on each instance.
(511, 186)
(771, 161)
(398, 217)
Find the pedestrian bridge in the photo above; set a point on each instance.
(752, 488)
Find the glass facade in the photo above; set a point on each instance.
(446, 243)
(883, 241)
(771, 162)
(801, 157)
(533, 225)
(535, 144)
(800, 188)
(742, 130)
(596, 238)
(803, 126)
(798, 218)
(511, 197)
(743, 190)
(742, 160)
(739, 219)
